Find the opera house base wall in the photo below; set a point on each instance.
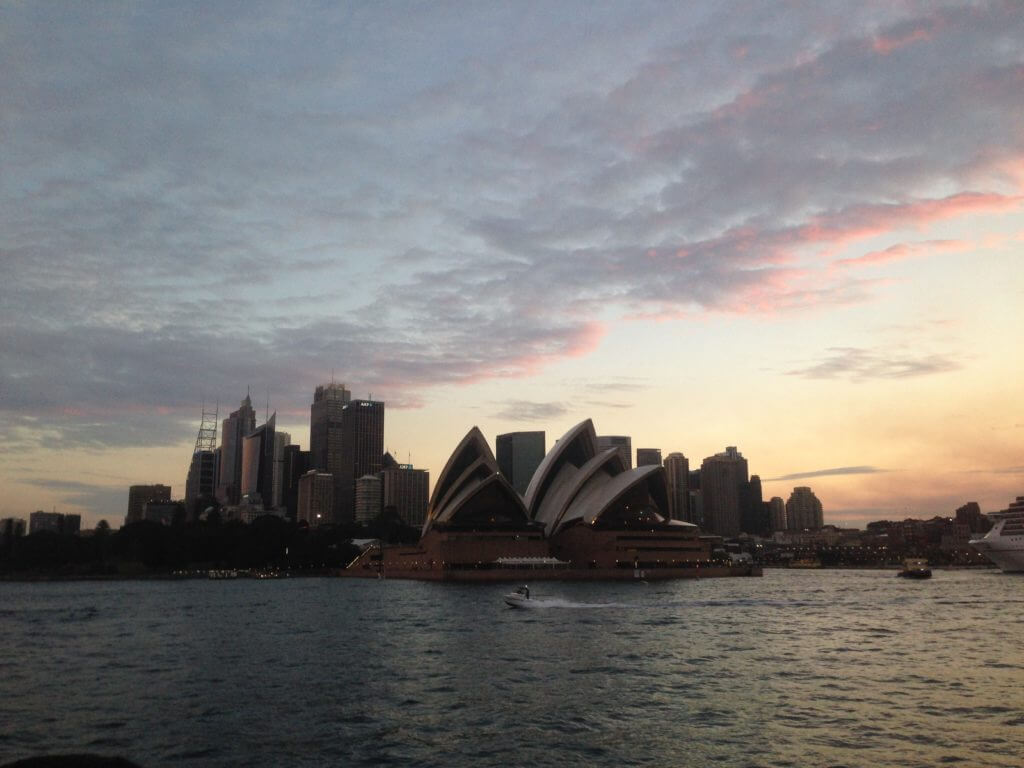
(577, 554)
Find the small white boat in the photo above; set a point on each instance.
(520, 598)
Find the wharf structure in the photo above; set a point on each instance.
(585, 515)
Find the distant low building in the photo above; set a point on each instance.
(140, 495)
(11, 528)
(54, 522)
(161, 512)
(316, 498)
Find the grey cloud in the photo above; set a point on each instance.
(860, 470)
(858, 364)
(525, 410)
(102, 501)
(445, 213)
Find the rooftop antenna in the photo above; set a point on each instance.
(267, 418)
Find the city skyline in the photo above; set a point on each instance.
(794, 230)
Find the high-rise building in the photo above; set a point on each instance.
(315, 498)
(777, 509)
(753, 513)
(803, 510)
(295, 465)
(407, 490)
(362, 451)
(646, 457)
(369, 495)
(139, 495)
(201, 484)
(281, 441)
(325, 428)
(258, 465)
(233, 431)
(721, 477)
(623, 442)
(677, 474)
(518, 455)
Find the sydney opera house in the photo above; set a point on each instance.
(584, 516)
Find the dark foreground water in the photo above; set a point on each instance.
(799, 668)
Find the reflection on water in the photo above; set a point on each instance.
(794, 669)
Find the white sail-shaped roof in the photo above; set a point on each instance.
(576, 447)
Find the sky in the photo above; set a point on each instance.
(796, 228)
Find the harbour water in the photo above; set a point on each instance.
(798, 668)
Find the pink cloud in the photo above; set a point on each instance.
(906, 250)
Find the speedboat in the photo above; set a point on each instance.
(519, 599)
(915, 568)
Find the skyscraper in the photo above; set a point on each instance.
(777, 509)
(721, 477)
(325, 428)
(362, 451)
(754, 517)
(518, 455)
(201, 483)
(281, 441)
(258, 464)
(233, 431)
(677, 473)
(296, 464)
(647, 456)
(623, 442)
(803, 510)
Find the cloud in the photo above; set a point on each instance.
(524, 410)
(905, 250)
(860, 470)
(857, 364)
(194, 203)
(109, 502)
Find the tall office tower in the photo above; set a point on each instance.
(362, 451)
(233, 431)
(201, 483)
(622, 442)
(295, 465)
(407, 490)
(325, 428)
(803, 510)
(677, 474)
(777, 509)
(753, 517)
(721, 476)
(281, 441)
(315, 498)
(258, 464)
(519, 454)
(138, 495)
(645, 457)
(369, 495)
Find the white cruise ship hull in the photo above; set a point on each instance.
(1010, 560)
(1004, 544)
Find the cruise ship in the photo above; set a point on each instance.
(1004, 544)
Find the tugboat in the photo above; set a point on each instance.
(915, 568)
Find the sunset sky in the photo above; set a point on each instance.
(796, 228)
